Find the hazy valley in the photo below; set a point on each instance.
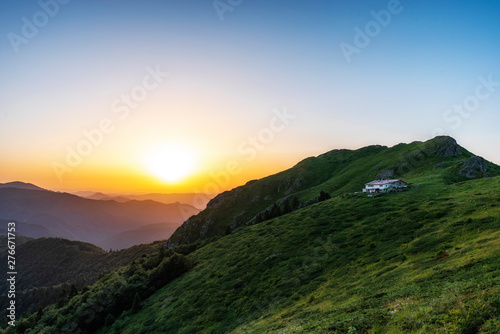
(106, 223)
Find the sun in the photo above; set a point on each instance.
(170, 163)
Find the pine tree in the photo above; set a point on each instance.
(136, 304)
(267, 215)
(275, 211)
(287, 207)
(110, 319)
(162, 252)
(39, 314)
(62, 299)
(323, 196)
(73, 291)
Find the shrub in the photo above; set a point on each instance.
(168, 270)
(110, 319)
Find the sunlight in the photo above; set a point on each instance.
(170, 163)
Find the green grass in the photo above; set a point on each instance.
(421, 261)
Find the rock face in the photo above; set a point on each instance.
(447, 147)
(473, 166)
(298, 182)
(206, 227)
(385, 174)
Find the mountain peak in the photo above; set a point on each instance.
(20, 185)
(447, 147)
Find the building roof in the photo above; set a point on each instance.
(382, 182)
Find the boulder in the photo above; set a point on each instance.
(473, 167)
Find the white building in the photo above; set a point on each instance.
(380, 186)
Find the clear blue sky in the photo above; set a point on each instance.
(408, 82)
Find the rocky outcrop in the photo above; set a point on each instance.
(439, 165)
(299, 181)
(385, 174)
(225, 198)
(206, 227)
(447, 147)
(474, 167)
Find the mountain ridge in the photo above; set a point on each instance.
(76, 218)
(336, 172)
(197, 200)
(21, 185)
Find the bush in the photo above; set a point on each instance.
(323, 196)
(168, 270)
(352, 330)
(136, 305)
(491, 326)
(110, 319)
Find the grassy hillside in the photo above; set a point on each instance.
(336, 172)
(423, 260)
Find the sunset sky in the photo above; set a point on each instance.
(104, 95)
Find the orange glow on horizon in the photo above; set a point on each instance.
(209, 177)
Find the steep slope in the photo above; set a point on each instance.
(425, 260)
(421, 261)
(336, 172)
(72, 217)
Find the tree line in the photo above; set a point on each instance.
(288, 206)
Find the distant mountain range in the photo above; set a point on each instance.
(197, 200)
(141, 235)
(107, 223)
(20, 185)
